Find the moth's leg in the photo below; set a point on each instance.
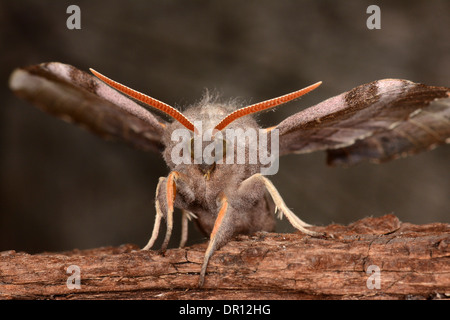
(159, 216)
(185, 218)
(171, 192)
(279, 203)
(168, 199)
(219, 235)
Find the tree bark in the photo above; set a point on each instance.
(374, 258)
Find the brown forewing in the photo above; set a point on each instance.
(378, 121)
(77, 97)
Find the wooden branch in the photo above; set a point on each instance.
(407, 261)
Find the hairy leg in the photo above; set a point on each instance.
(279, 203)
(220, 234)
(170, 187)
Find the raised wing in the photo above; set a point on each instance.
(77, 97)
(378, 121)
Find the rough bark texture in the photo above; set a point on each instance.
(413, 262)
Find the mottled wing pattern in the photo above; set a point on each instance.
(77, 97)
(378, 121)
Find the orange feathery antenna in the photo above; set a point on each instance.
(271, 103)
(174, 113)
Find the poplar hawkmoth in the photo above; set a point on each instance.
(208, 180)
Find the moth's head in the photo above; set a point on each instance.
(199, 138)
(205, 150)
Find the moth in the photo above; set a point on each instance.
(377, 121)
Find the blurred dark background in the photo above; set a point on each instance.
(63, 188)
